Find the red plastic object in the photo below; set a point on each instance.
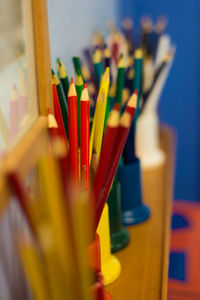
(94, 254)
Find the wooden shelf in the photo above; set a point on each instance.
(145, 261)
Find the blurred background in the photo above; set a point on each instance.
(71, 29)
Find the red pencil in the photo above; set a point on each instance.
(107, 148)
(73, 132)
(21, 195)
(52, 125)
(85, 137)
(57, 111)
(60, 148)
(122, 134)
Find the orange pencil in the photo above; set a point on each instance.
(106, 158)
(85, 137)
(57, 111)
(73, 132)
(122, 134)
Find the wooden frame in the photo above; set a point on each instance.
(26, 152)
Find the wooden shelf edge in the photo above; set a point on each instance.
(168, 144)
(145, 261)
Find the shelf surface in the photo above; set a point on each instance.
(145, 261)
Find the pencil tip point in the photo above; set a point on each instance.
(136, 92)
(85, 85)
(72, 80)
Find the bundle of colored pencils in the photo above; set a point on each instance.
(136, 63)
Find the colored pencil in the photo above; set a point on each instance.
(34, 269)
(146, 26)
(57, 111)
(137, 81)
(52, 125)
(73, 132)
(98, 65)
(4, 129)
(148, 74)
(152, 101)
(88, 56)
(60, 148)
(127, 25)
(21, 196)
(120, 80)
(122, 133)
(107, 56)
(79, 87)
(14, 114)
(23, 100)
(115, 47)
(165, 61)
(62, 101)
(55, 276)
(52, 193)
(63, 77)
(99, 117)
(77, 64)
(108, 142)
(85, 135)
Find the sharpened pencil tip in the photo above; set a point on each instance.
(72, 80)
(85, 85)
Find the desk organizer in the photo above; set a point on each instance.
(133, 210)
(110, 265)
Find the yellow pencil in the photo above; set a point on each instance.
(99, 116)
(81, 236)
(34, 269)
(57, 282)
(52, 190)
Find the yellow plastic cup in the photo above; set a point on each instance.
(110, 265)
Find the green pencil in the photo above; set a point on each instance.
(62, 73)
(79, 87)
(77, 64)
(120, 80)
(98, 65)
(137, 80)
(63, 103)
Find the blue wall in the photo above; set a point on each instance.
(179, 105)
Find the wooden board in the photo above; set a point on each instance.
(145, 261)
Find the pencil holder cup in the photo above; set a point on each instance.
(119, 235)
(147, 140)
(110, 265)
(133, 210)
(97, 289)
(94, 254)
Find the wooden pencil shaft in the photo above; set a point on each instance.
(85, 135)
(73, 138)
(63, 106)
